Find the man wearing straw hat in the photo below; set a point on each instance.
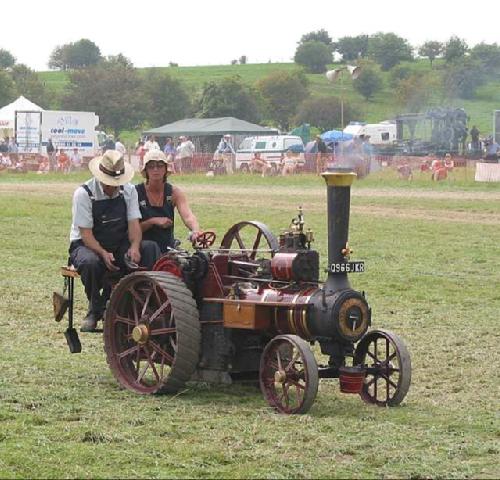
(105, 233)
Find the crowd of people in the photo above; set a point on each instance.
(181, 155)
(9, 158)
(439, 168)
(181, 151)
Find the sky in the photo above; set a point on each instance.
(215, 32)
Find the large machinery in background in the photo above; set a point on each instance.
(496, 126)
(438, 131)
(252, 308)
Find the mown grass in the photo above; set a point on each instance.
(433, 281)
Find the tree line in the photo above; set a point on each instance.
(126, 98)
(462, 71)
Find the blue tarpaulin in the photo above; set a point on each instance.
(336, 136)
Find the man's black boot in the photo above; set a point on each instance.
(89, 323)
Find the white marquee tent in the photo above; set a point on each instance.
(8, 113)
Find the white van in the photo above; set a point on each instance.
(271, 148)
(383, 133)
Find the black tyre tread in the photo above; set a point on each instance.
(175, 291)
(188, 331)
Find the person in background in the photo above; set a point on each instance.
(405, 172)
(425, 166)
(474, 135)
(169, 148)
(151, 144)
(184, 155)
(367, 149)
(157, 200)
(109, 144)
(449, 165)
(12, 149)
(259, 165)
(5, 162)
(43, 166)
(140, 152)
(438, 170)
(4, 146)
(51, 153)
(105, 231)
(63, 164)
(492, 150)
(120, 147)
(75, 160)
(226, 150)
(321, 155)
(18, 166)
(289, 163)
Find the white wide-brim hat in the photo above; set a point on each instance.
(157, 156)
(111, 169)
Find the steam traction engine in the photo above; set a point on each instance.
(253, 306)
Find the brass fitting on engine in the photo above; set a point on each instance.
(347, 250)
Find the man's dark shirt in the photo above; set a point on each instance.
(321, 147)
(474, 133)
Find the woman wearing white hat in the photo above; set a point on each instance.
(105, 230)
(158, 199)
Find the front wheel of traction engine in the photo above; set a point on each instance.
(152, 333)
(388, 368)
(289, 374)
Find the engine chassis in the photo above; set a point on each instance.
(251, 309)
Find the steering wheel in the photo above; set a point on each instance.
(204, 240)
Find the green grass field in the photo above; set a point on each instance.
(432, 253)
(382, 107)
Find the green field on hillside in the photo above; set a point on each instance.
(432, 252)
(382, 107)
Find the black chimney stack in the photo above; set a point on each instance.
(338, 181)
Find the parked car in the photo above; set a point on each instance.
(271, 148)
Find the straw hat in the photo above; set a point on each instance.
(111, 169)
(157, 156)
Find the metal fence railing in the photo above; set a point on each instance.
(308, 163)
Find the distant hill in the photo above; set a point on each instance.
(382, 107)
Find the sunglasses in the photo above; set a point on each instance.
(154, 164)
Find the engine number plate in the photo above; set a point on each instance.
(348, 267)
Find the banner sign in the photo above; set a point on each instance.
(69, 130)
(27, 128)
